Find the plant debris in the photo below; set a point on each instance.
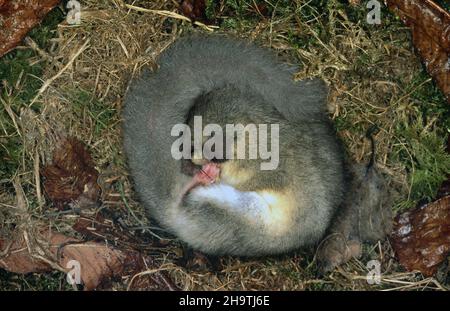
(430, 27)
(17, 17)
(374, 78)
(94, 264)
(98, 262)
(194, 9)
(99, 229)
(72, 177)
(421, 238)
(444, 190)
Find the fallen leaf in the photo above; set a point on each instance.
(194, 9)
(72, 177)
(101, 229)
(98, 262)
(17, 17)
(421, 237)
(430, 27)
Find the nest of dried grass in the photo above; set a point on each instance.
(87, 75)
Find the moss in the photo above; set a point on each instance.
(445, 4)
(425, 156)
(20, 80)
(33, 281)
(414, 106)
(46, 31)
(85, 104)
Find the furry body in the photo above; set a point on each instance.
(246, 211)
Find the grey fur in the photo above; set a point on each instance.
(312, 159)
(365, 216)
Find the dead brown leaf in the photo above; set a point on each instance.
(17, 17)
(101, 229)
(430, 27)
(421, 238)
(72, 177)
(99, 263)
(194, 9)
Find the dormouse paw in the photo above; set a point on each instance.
(335, 250)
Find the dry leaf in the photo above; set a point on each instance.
(102, 229)
(17, 17)
(421, 238)
(98, 262)
(71, 178)
(114, 255)
(430, 26)
(17, 259)
(194, 9)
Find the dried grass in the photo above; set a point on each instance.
(82, 96)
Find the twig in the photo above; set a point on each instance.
(33, 45)
(147, 272)
(50, 81)
(37, 178)
(171, 15)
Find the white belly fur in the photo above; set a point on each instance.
(273, 210)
